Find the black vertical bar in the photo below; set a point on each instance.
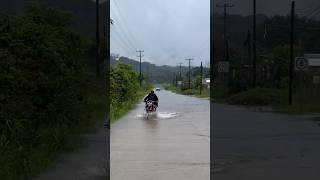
(291, 51)
(211, 89)
(107, 75)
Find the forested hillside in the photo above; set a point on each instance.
(83, 12)
(160, 74)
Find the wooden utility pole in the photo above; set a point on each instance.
(189, 73)
(250, 63)
(291, 51)
(176, 81)
(201, 77)
(254, 44)
(225, 35)
(140, 74)
(180, 78)
(97, 39)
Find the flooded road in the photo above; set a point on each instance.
(254, 145)
(172, 144)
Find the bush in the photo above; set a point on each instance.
(258, 96)
(45, 88)
(190, 92)
(125, 90)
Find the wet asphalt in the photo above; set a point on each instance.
(254, 145)
(174, 144)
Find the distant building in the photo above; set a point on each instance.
(206, 81)
(313, 60)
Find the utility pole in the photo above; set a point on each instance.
(250, 63)
(291, 51)
(180, 78)
(254, 44)
(140, 75)
(225, 35)
(97, 39)
(189, 74)
(176, 81)
(201, 76)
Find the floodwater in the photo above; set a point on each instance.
(173, 143)
(252, 145)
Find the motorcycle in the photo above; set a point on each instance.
(150, 107)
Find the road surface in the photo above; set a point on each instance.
(173, 144)
(255, 145)
(87, 162)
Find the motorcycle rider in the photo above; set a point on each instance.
(152, 97)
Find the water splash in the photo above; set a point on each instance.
(157, 115)
(166, 115)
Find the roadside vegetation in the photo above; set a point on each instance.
(205, 93)
(125, 90)
(258, 96)
(50, 94)
(272, 64)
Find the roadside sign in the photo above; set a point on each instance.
(223, 66)
(301, 64)
(316, 79)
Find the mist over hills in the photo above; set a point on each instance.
(158, 74)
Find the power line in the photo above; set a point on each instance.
(121, 31)
(120, 26)
(123, 39)
(124, 22)
(124, 48)
(313, 11)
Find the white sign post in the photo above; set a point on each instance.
(316, 79)
(223, 66)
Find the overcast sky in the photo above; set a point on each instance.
(270, 7)
(169, 31)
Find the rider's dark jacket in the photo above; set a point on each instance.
(152, 97)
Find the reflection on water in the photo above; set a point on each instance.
(151, 123)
